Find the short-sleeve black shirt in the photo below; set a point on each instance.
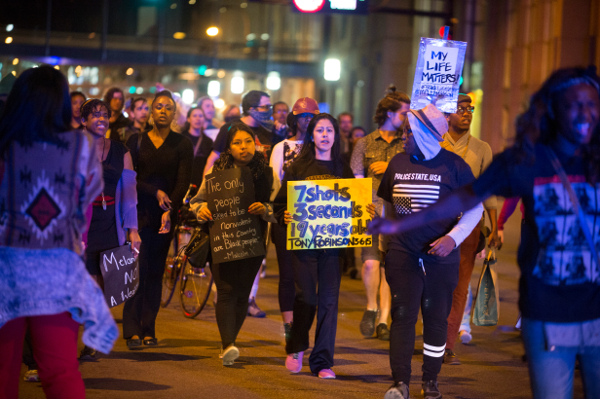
(411, 185)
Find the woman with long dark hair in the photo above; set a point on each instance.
(194, 130)
(319, 159)
(49, 175)
(234, 279)
(163, 162)
(554, 167)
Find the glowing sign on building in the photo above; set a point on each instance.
(332, 6)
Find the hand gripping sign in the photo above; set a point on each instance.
(438, 72)
(329, 213)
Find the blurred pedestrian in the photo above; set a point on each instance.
(318, 159)
(234, 279)
(77, 100)
(113, 218)
(139, 113)
(346, 121)
(163, 162)
(116, 99)
(556, 153)
(370, 158)
(49, 175)
(280, 128)
(231, 113)
(284, 153)
(478, 155)
(194, 130)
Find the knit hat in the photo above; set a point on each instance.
(428, 126)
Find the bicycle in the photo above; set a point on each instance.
(194, 282)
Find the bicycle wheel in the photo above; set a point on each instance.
(170, 277)
(194, 289)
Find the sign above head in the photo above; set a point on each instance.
(331, 6)
(438, 73)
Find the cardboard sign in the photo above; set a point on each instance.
(234, 233)
(120, 272)
(329, 213)
(438, 72)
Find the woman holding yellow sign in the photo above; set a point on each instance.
(319, 159)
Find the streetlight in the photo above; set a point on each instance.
(212, 31)
(273, 81)
(333, 69)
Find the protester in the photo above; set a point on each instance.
(478, 155)
(280, 128)
(356, 134)
(318, 160)
(43, 282)
(139, 112)
(559, 135)
(163, 162)
(345, 120)
(113, 215)
(256, 108)
(116, 99)
(422, 267)
(77, 100)
(194, 130)
(231, 113)
(207, 106)
(282, 157)
(371, 158)
(234, 279)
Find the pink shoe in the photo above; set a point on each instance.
(293, 362)
(327, 374)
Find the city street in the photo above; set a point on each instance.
(186, 365)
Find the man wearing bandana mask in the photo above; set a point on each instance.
(256, 110)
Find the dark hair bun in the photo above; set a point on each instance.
(391, 89)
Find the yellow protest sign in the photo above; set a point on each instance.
(329, 213)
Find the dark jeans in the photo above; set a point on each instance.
(431, 292)
(28, 359)
(287, 289)
(234, 281)
(140, 311)
(312, 269)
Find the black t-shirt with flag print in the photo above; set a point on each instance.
(411, 185)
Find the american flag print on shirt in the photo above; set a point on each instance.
(409, 198)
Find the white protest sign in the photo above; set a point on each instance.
(438, 72)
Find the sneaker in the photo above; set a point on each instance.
(451, 358)
(287, 329)
(31, 376)
(293, 362)
(254, 310)
(367, 324)
(383, 333)
(229, 355)
(430, 390)
(397, 391)
(465, 337)
(327, 374)
(88, 354)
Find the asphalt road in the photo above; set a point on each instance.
(186, 365)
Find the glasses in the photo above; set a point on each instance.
(462, 110)
(264, 107)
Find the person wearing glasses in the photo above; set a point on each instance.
(478, 155)
(256, 114)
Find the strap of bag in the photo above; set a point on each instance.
(198, 144)
(574, 201)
